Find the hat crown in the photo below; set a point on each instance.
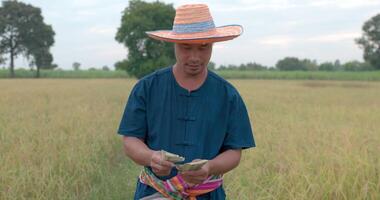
(192, 13)
(193, 23)
(193, 18)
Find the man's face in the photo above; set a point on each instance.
(193, 58)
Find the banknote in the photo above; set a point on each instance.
(192, 166)
(171, 157)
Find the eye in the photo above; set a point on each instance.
(204, 46)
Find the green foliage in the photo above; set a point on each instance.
(76, 66)
(2, 59)
(22, 30)
(293, 63)
(357, 66)
(289, 63)
(211, 65)
(329, 66)
(296, 64)
(252, 66)
(300, 75)
(121, 65)
(248, 66)
(370, 41)
(145, 55)
(59, 73)
(105, 68)
(229, 74)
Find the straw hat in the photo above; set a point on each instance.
(193, 23)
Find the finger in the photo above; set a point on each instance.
(155, 170)
(157, 167)
(162, 166)
(161, 172)
(156, 159)
(167, 164)
(199, 172)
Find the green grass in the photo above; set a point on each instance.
(298, 75)
(315, 140)
(229, 74)
(22, 73)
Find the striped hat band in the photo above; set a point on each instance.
(193, 23)
(194, 27)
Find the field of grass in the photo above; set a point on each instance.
(315, 140)
(301, 75)
(229, 74)
(23, 73)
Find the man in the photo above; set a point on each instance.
(186, 110)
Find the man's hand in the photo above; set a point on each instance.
(196, 177)
(160, 166)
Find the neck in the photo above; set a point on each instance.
(188, 81)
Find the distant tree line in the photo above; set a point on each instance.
(297, 64)
(76, 67)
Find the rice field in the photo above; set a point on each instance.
(315, 140)
(229, 74)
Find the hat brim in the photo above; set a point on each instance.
(218, 34)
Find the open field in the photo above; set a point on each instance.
(67, 74)
(229, 74)
(315, 140)
(301, 75)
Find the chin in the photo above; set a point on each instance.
(193, 72)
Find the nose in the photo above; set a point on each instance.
(194, 56)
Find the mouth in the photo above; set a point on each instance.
(193, 66)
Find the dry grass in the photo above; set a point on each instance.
(315, 140)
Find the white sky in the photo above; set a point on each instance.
(273, 29)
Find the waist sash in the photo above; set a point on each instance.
(176, 188)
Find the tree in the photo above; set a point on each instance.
(121, 65)
(76, 66)
(22, 30)
(309, 65)
(327, 66)
(38, 46)
(105, 68)
(293, 63)
(255, 66)
(370, 41)
(222, 67)
(211, 65)
(2, 59)
(357, 66)
(42, 59)
(290, 63)
(337, 65)
(145, 55)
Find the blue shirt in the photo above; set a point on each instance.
(196, 125)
